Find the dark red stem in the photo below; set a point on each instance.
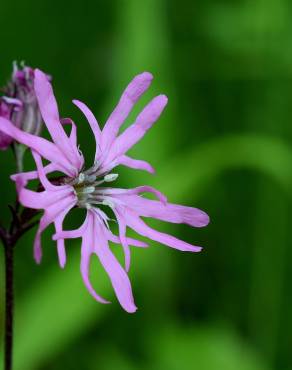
(9, 297)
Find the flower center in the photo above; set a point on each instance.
(87, 187)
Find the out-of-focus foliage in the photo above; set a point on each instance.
(224, 144)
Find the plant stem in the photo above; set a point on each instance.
(8, 305)
(21, 223)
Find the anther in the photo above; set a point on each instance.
(88, 190)
(81, 178)
(90, 178)
(110, 177)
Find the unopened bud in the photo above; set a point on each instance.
(5, 112)
(19, 103)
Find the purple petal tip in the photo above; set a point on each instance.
(38, 74)
(131, 309)
(194, 249)
(158, 103)
(146, 76)
(138, 85)
(163, 99)
(38, 259)
(204, 220)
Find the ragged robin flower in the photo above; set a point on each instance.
(88, 187)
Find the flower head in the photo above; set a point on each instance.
(88, 187)
(19, 104)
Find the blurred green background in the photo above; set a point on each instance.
(224, 144)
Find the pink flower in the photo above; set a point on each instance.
(19, 104)
(86, 188)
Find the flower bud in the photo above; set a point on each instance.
(19, 104)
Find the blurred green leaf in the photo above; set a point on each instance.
(175, 347)
(194, 168)
(256, 32)
(204, 348)
(110, 358)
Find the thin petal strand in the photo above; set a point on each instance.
(136, 164)
(128, 99)
(49, 110)
(141, 228)
(116, 273)
(87, 248)
(166, 212)
(60, 242)
(135, 132)
(93, 124)
(44, 147)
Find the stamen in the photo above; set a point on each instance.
(92, 169)
(81, 178)
(87, 190)
(90, 178)
(110, 177)
(86, 187)
(96, 183)
(109, 203)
